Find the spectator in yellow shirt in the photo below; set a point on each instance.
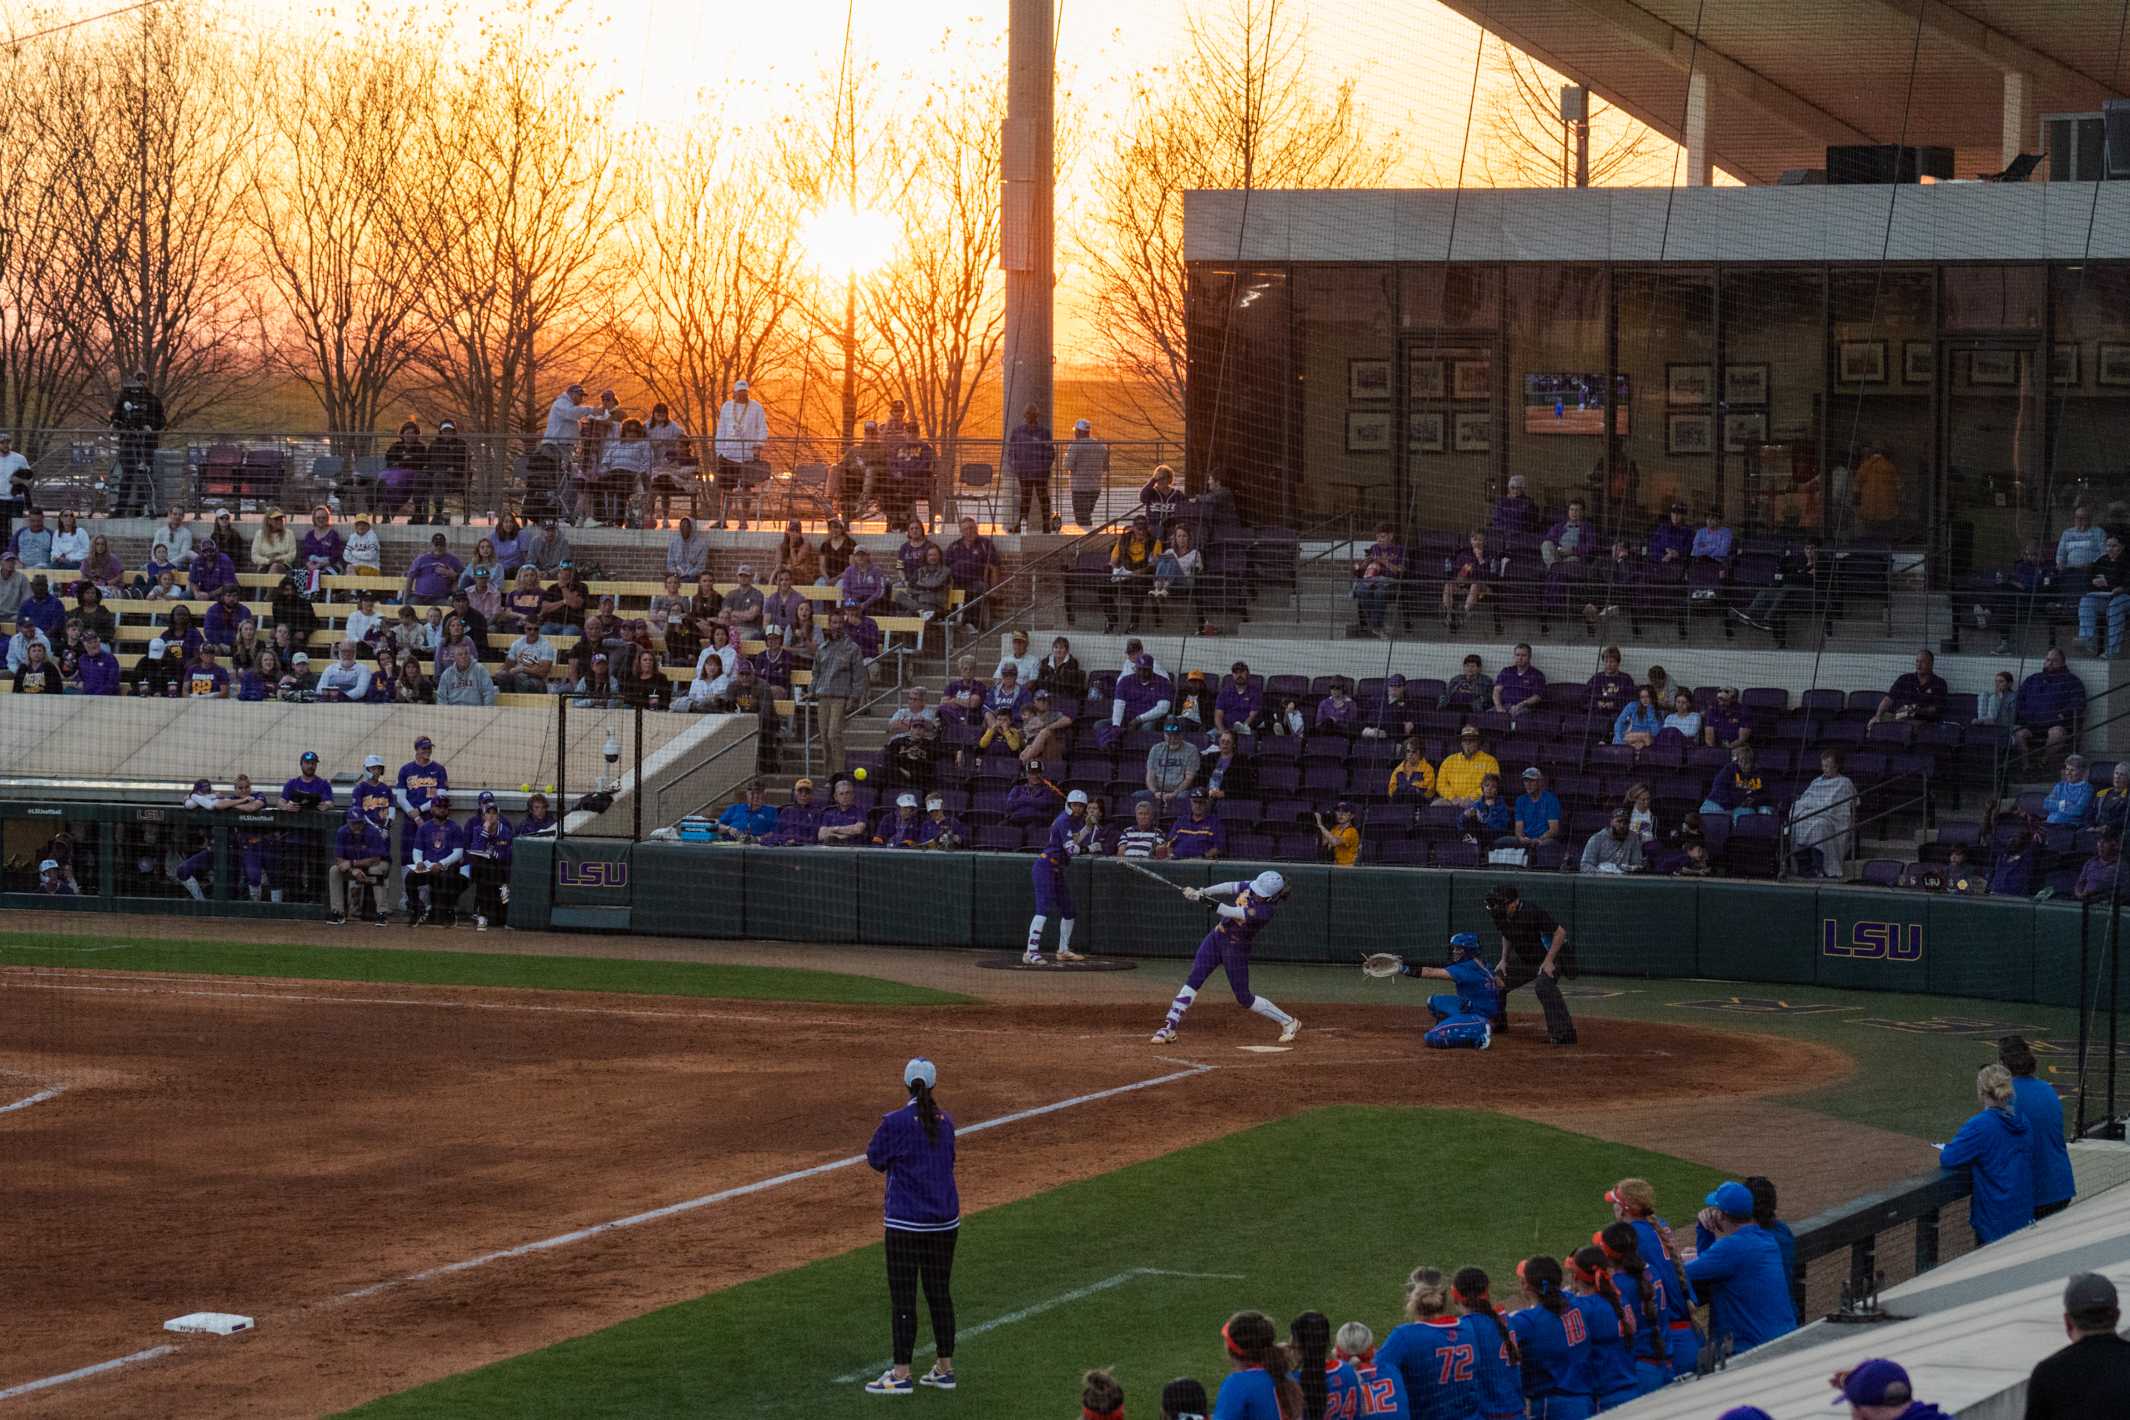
(1341, 838)
(1460, 774)
(1412, 777)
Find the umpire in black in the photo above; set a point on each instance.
(1534, 952)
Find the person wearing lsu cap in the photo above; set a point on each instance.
(1750, 1301)
(1881, 1390)
(2042, 1109)
(2090, 1378)
(432, 880)
(797, 821)
(913, 1146)
(1634, 1202)
(1198, 831)
(1070, 835)
(903, 829)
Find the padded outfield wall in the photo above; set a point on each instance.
(1781, 934)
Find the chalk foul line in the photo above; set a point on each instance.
(726, 1195)
(29, 1387)
(1035, 1309)
(39, 1098)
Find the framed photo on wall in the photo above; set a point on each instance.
(2111, 363)
(1425, 431)
(1745, 384)
(1368, 379)
(1474, 431)
(1860, 362)
(1689, 384)
(1471, 379)
(2063, 365)
(1919, 362)
(1423, 379)
(1743, 429)
(1689, 434)
(1367, 431)
(1995, 368)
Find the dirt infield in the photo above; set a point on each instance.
(273, 1147)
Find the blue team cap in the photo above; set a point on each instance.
(1877, 1382)
(1734, 1200)
(310, 756)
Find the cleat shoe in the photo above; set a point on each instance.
(1068, 954)
(1486, 1038)
(1031, 959)
(339, 919)
(381, 920)
(937, 1379)
(1164, 1035)
(1289, 1031)
(480, 924)
(889, 1385)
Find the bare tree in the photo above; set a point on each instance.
(326, 185)
(716, 291)
(48, 351)
(1240, 109)
(1526, 138)
(148, 139)
(514, 225)
(938, 311)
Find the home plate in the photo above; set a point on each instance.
(1266, 1049)
(210, 1323)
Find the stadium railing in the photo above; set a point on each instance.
(1914, 1206)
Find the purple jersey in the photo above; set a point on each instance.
(1256, 913)
(1520, 684)
(311, 784)
(1237, 704)
(375, 801)
(439, 840)
(418, 781)
(1064, 840)
(493, 844)
(833, 817)
(1139, 697)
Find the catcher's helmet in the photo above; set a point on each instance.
(1464, 944)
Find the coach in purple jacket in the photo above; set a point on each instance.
(914, 1147)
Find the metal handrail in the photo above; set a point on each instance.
(751, 739)
(1857, 1224)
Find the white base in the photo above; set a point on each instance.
(210, 1323)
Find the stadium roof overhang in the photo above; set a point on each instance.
(1790, 77)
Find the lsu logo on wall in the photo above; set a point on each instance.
(1872, 941)
(592, 873)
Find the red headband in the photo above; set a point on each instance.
(1233, 1350)
(1597, 1240)
(1088, 1413)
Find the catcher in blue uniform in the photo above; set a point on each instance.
(1463, 1019)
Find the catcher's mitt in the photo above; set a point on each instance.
(1382, 964)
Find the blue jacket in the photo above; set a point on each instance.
(1636, 717)
(921, 1197)
(1751, 1303)
(2042, 1109)
(1996, 1148)
(2069, 803)
(756, 823)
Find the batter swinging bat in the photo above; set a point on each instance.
(1146, 872)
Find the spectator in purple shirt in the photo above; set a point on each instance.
(1714, 541)
(1376, 578)
(433, 575)
(1240, 705)
(911, 550)
(1611, 689)
(1573, 539)
(862, 584)
(1338, 713)
(1672, 540)
(1724, 722)
(1520, 686)
(797, 821)
(225, 618)
(321, 548)
(1918, 696)
(1198, 832)
(98, 667)
(842, 823)
(973, 561)
(1033, 800)
(1003, 703)
(2103, 871)
(1514, 512)
(2050, 703)
(211, 568)
(43, 610)
(1142, 701)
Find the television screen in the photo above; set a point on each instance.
(1567, 402)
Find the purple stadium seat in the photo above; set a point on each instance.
(1240, 811)
(1252, 846)
(1765, 698)
(1882, 872)
(1826, 703)
(1278, 747)
(1396, 852)
(1279, 779)
(1753, 847)
(999, 838)
(1455, 853)
(1282, 814)
(1324, 779)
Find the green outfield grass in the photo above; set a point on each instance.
(1420, 1186)
(417, 968)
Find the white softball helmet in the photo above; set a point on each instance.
(1267, 886)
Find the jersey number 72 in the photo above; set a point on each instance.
(1456, 1364)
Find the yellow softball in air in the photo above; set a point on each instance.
(859, 775)
(550, 788)
(525, 788)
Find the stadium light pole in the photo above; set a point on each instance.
(1026, 239)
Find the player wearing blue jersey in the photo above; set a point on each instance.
(1634, 1202)
(1227, 948)
(1613, 1380)
(1498, 1361)
(1642, 1294)
(1329, 1386)
(1555, 1340)
(1463, 1018)
(1070, 834)
(1382, 1388)
(1258, 1388)
(1434, 1354)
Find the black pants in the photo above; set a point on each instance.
(435, 893)
(489, 880)
(2049, 1210)
(1083, 506)
(929, 1258)
(1559, 1024)
(1034, 490)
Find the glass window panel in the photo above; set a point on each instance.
(1774, 345)
(1440, 297)
(2089, 384)
(1880, 430)
(1348, 359)
(1667, 347)
(1236, 403)
(1550, 421)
